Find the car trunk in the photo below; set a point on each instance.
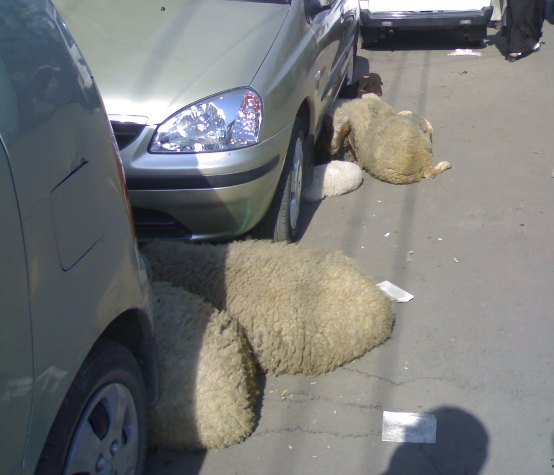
(426, 5)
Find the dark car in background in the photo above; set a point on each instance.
(380, 18)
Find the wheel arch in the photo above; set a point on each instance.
(133, 330)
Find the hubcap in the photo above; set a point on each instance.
(106, 438)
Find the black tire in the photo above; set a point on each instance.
(476, 35)
(110, 375)
(370, 36)
(282, 221)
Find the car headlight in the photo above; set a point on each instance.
(226, 121)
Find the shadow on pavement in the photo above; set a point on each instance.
(461, 447)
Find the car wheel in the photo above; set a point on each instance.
(370, 36)
(475, 35)
(101, 425)
(281, 222)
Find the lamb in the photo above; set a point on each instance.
(332, 179)
(207, 374)
(304, 311)
(396, 148)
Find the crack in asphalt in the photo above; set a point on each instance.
(298, 429)
(305, 397)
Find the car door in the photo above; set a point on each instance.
(350, 18)
(328, 29)
(16, 368)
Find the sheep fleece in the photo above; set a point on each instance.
(395, 148)
(207, 374)
(333, 179)
(304, 311)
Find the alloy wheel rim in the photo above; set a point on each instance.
(106, 440)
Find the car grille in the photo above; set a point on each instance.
(151, 224)
(126, 132)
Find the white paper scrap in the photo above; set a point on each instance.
(464, 52)
(409, 427)
(394, 292)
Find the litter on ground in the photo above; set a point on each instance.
(464, 52)
(409, 427)
(394, 292)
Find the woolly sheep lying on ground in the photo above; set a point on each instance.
(421, 122)
(303, 311)
(207, 374)
(352, 119)
(333, 179)
(401, 152)
(396, 148)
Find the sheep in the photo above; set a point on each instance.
(420, 122)
(332, 179)
(353, 119)
(402, 151)
(345, 122)
(304, 311)
(396, 148)
(207, 374)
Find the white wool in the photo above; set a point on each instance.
(333, 179)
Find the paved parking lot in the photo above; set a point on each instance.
(472, 352)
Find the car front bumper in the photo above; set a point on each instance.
(207, 196)
(426, 20)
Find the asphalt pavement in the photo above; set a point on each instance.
(467, 377)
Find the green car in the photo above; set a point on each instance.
(77, 359)
(216, 104)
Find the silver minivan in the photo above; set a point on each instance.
(77, 364)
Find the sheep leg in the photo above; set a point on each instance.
(438, 168)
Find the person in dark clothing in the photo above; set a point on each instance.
(524, 20)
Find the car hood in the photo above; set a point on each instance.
(152, 58)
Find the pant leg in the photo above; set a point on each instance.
(524, 24)
(497, 10)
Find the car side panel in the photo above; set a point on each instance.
(330, 36)
(82, 261)
(16, 364)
